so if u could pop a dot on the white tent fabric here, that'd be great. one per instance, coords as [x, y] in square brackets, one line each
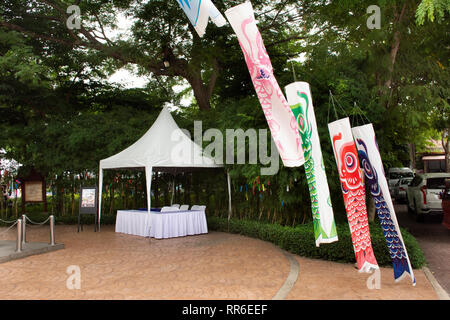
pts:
[162, 147]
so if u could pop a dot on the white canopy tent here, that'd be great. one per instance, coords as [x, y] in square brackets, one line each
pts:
[163, 148]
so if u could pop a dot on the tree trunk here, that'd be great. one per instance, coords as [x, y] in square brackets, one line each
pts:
[64, 201]
[200, 92]
[1, 204]
[412, 155]
[395, 46]
[73, 198]
[111, 199]
[135, 193]
[157, 190]
[446, 146]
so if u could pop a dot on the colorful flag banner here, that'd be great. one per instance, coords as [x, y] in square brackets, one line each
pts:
[373, 168]
[279, 116]
[199, 12]
[300, 100]
[354, 193]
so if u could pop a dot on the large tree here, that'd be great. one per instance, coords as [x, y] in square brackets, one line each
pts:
[160, 33]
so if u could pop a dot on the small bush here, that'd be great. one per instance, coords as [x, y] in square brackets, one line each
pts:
[300, 240]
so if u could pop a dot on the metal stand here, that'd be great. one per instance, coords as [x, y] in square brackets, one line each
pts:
[52, 230]
[80, 224]
[19, 236]
[24, 229]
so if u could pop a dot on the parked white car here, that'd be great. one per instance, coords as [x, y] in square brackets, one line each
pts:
[399, 191]
[395, 174]
[423, 194]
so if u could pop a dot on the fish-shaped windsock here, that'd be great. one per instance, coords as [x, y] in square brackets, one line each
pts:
[353, 190]
[300, 100]
[279, 116]
[373, 167]
[199, 12]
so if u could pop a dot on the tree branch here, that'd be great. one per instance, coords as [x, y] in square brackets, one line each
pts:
[213, 79]
[296, 37]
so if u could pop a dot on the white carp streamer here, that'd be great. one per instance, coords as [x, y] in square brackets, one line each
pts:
[372, 164]
[300, 100]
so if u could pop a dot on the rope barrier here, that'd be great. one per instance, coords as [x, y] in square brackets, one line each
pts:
[4, 221]
[37, 223]
[8, 228]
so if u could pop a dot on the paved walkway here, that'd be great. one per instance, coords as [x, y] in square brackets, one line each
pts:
[212, 266]
[434, 240]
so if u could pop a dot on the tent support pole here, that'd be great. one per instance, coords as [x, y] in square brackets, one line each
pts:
[148, 180]
[173, 191]
[100, 189]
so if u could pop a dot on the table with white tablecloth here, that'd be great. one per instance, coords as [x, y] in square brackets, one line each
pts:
[161, 225]
[136, 222]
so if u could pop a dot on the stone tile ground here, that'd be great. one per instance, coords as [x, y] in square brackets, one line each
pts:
[212, 266]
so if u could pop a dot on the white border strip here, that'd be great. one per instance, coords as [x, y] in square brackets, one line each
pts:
[290, 280]
[441, 293]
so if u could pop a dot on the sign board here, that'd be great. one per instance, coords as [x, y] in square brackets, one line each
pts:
[88, 200]
[33, 191]
[33, 187]
[88, 204]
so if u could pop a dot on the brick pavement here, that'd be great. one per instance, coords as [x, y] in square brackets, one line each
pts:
[212, 266]
[434, 240]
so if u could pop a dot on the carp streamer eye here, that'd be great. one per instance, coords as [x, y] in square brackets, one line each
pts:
[301, 123]
[368, 169]
[350, 162]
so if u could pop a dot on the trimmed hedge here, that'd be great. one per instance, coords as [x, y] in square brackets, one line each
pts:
[300, 240]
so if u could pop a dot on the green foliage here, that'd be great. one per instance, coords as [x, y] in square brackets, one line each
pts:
[300, 240]
[60, 115]
[432, 9]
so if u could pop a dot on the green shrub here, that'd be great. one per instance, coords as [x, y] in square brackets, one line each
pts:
[300, 240]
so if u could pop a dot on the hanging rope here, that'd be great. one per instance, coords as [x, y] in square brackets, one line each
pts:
[4, 221]
[330, 99]
[37, 223]
[338, 104]
[8, 228]
[293, 71]
[362, 114]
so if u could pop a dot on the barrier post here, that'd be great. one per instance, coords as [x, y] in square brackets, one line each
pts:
[52, 230]
[24, 229]
[19, 236]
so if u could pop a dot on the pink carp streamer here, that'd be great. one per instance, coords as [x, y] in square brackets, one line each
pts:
[354, 193]
[279, 116]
